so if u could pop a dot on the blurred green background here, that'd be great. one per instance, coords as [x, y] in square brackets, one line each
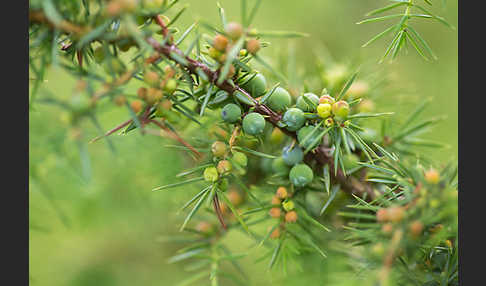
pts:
[109, 231]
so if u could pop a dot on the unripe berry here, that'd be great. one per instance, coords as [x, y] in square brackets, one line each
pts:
[220, 42]
[281, 193]
[294, 119]
[301, 175]
[99, 54]
[302, 104]
[329, 122]
[396, 214]
[151, 78]
[211, 174]
[253, 46]
[288, 206]
[326, 98]
[240, 158]
[302, 134]
[243, 52]
[170, 86]
[275, 200]
[114, 65]
[275, 212]
[253, 123]
[340, 109]
[277, 136]
[432, 176]
[234, 30]
[256, 86]
[153, 4]
[224, 167]
[378, 249]
[291, 217]
[136, 105]
[279, 100]
[231, 113]
[324, 110]
[214, 53]
[218, 149]
[416, 228]
[382, 215]
[279, 166]
[292, 156]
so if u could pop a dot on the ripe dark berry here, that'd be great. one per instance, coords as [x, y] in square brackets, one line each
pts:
[294, 119]
[256, 86]
[279, 100]
[303, 105]
[253, 123]
[231, 113]
[301, 175]
[302, 134]
[292, 156]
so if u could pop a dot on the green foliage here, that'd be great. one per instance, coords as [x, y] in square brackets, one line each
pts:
[204, 91]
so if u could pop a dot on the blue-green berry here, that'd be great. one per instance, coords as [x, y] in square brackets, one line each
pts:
[253, 123]
[231, 113]
[294, 119]
[292, 156]
[256, 86]
[302, 104]
[279, 167]
[279, 100]
[300, 175]
[302, 134]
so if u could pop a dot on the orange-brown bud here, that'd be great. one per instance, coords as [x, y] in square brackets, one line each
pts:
[275, 212]
[220, 42]
[382, 215]
[282, 193]
[253, 46]
[416, 228]
[291, 217]
[276, 200]
[387, 228]
[136, 105]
